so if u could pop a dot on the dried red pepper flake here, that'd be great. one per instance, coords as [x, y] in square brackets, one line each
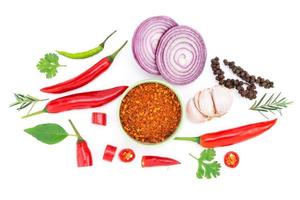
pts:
[150, 112]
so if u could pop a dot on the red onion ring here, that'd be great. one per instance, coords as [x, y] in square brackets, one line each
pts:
[146, 38]
[181, 55]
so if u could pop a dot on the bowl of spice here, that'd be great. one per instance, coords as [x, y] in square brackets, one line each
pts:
[150, 112]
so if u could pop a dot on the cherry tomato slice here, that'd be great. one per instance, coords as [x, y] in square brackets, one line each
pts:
[126, 155]
[231, 159]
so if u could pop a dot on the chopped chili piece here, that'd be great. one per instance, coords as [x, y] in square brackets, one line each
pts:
[150, 112]
[231, 159]
[109, 153]
[126, 155]
[99, 118]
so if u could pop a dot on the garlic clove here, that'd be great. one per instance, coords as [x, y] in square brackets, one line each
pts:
[193, 113]
[196, 100]
[206, 103]
[223, 99]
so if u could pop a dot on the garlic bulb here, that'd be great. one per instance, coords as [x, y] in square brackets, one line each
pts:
[209, 103]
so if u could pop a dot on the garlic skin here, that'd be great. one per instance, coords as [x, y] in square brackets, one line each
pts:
[223, 99]
[209, 103]
[193, 113]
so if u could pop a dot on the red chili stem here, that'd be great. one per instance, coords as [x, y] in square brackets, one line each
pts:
[75, 130]
[112, 56]
[154, 161]
[231, 136]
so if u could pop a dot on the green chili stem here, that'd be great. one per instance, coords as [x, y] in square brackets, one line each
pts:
[192, 139]
[103, 43]
[75, 130]
[112, 56]
[35, 113]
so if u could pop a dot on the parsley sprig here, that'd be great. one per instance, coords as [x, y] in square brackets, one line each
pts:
[207, 168]
[49, 64]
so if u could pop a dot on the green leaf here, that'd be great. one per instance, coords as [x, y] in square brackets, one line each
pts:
[49, 64]
[200, 171]
[48, 133]
[208, 154]
[270, 105]
[212, 169]
[207, 168]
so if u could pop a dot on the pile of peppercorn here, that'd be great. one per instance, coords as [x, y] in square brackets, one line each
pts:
[249, 80]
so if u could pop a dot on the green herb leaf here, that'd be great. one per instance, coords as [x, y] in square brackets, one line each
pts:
[48, 133]
[207, 168]
[208, 155]
[270, 105]
[49, 64]
[23, 101]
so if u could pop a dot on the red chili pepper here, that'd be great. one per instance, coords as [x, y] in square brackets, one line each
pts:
[99, 118]
[85, 77]
[231, 136]
[153, 161]
[84, 156]
[126, 155]
[109, 153]
[81, 101]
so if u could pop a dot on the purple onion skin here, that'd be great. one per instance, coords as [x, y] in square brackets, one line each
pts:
[181, 55]
[145, 41]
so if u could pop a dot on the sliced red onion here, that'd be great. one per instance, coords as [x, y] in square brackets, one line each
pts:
[145, 41]
[181, 55]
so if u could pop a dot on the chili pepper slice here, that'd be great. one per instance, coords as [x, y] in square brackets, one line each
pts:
[84, 156]
[88, 53]
[85, 77]
[81, 101]
[109, 153]
[231, 159]
[126, 155]
[99, 118]
[154, 161]
[231, 136]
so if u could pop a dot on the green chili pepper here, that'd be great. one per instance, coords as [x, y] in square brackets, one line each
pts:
[88, 53]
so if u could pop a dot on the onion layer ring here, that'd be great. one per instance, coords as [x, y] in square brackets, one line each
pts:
[181, 55]
[146, 38]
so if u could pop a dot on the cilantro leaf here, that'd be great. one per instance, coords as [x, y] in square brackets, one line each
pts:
[208, 154]
[207, 168]
[49, 64]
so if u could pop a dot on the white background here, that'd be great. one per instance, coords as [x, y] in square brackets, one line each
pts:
[261, 36]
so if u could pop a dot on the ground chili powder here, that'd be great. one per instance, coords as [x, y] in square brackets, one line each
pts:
[150, 112]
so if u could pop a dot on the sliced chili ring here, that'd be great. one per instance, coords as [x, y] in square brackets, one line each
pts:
[231, 159]
[99, 118]
[126, 155]
[109, 153]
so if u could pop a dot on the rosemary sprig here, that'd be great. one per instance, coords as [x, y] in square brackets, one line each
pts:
[23, 101]
[271, 104]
